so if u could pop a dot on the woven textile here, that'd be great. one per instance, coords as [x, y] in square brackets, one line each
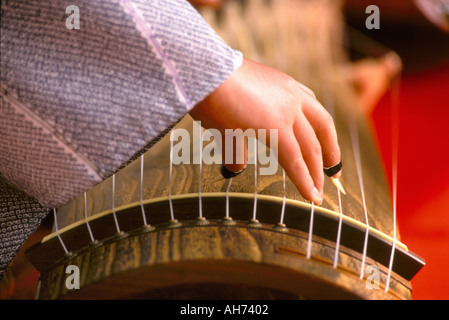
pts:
[79, 104]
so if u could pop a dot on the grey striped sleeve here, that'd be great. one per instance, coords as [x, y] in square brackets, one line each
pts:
[101, 93]
[77, 104]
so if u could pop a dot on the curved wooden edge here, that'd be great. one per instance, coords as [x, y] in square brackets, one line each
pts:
[113, 264]
[380, 246]
[305, 206]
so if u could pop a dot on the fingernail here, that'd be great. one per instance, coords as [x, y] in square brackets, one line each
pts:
[317, 199]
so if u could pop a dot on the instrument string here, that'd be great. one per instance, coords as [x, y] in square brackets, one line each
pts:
[356, 149]
[201, 174]
[57, 232]
[113, 204]
[340, 220]
[170, 178]
[309, 241]
[329, 103]
[393, 248]
[87, 220]
[281, 221]
[141, 191]
[227, 198]
[38, 290]
[394, 168]
[255, 179]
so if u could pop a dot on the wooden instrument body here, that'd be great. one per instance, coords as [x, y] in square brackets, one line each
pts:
[214, 258]
[216, 262]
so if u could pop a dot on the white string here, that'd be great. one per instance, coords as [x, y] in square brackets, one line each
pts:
[255, 179]
[141, 191]
[356, 149]
[113, 204]
[57, 232]
[394, 172]
[227, 198]
[329, 102]
[87, 220]
[340, 220]
[201, 173]
[170, 178]
[38, 290]
[393, 248]
[284, 200]
[309, 243]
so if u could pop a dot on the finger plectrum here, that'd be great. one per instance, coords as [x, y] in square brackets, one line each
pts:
[332, 171]
[227, 174]
[338, 184]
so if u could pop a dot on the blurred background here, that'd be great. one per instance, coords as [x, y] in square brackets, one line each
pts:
[318, 40]
[418, 33]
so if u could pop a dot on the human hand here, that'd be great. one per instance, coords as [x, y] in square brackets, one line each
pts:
[259, 97]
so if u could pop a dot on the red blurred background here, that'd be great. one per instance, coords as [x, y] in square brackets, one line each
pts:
[423, 174]
[423, 144]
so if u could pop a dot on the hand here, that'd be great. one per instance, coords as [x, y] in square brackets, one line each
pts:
[259, 97]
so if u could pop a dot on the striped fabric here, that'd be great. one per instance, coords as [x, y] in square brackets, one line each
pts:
[76, 105]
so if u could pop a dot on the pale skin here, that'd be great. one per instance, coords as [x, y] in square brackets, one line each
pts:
[259, 97]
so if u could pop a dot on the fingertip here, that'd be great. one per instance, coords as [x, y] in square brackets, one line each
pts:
[317, 196]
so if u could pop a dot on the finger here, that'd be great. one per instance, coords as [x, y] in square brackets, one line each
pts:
[324, 128]
[291, 159]
[311, 150]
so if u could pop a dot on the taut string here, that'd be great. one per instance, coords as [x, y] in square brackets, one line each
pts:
[356, 149]
[281, 221]
[170, 201]
[394, 171]
[340, 220]
[227, 198]
[309, 242]
[87, 220]
[57, 232]
[200, 202]
[255, 180]
[141, 192]
[113, 205]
